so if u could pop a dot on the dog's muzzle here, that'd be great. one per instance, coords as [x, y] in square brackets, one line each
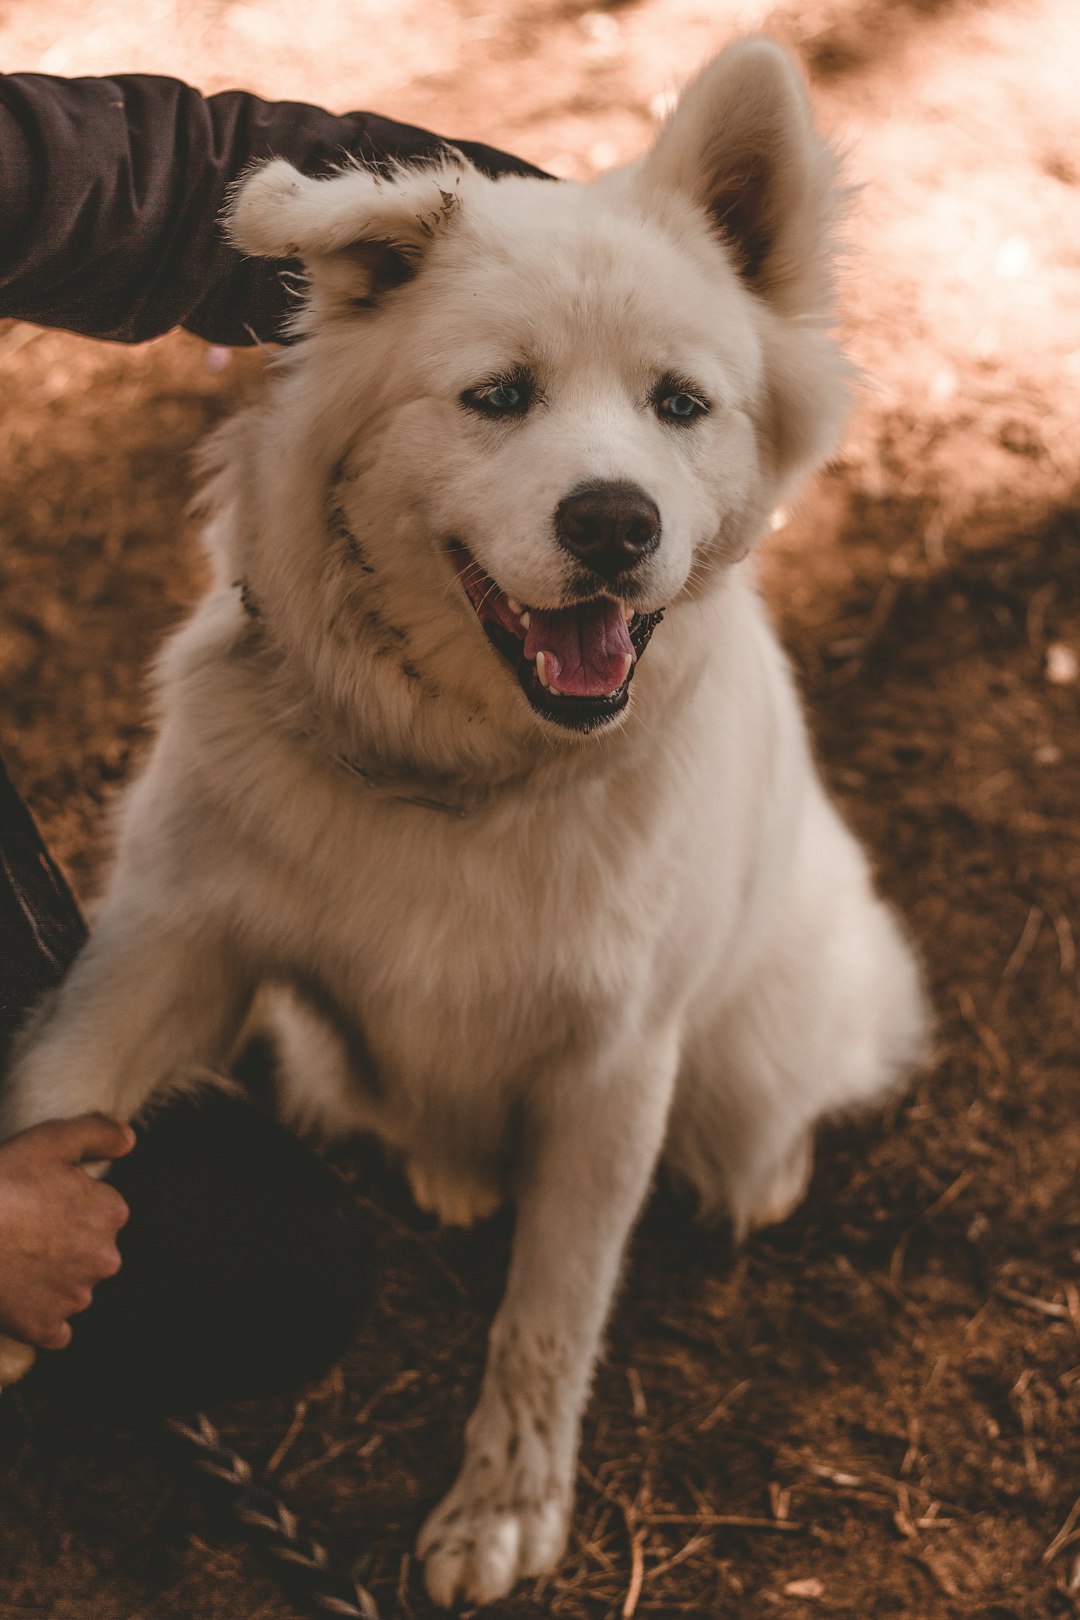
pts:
[574, 664]
[609, 527]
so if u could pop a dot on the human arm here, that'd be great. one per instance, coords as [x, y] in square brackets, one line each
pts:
[57, 1225]
[111, 191]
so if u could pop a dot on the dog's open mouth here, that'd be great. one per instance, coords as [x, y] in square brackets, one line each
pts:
[574, 664]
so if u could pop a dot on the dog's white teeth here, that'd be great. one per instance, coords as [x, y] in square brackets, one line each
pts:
[624, 677]
[525, 619]
[628, 614]
[541, 671]
[515, 607]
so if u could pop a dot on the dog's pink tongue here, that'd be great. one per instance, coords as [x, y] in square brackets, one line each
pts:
[585, 647]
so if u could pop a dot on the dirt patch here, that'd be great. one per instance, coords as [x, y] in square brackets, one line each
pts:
[886, 1387]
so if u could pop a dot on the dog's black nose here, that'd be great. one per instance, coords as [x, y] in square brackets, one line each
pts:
[609, 527]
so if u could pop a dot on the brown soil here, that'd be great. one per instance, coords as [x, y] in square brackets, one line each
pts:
[889, 1383]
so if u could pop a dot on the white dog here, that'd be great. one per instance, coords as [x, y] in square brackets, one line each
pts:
[558, 879]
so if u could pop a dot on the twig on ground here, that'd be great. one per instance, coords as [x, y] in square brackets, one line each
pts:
[1065, 1535]
[941, 1580]
[780, 1500]
[285, 1444]
[720, 1410]
[1066, 943]
[902, 1514]
[687, 1551]
[301, 1562]
[735, 1521]
[856, 649]
[637, 1556]
[638, 1403]
[1045, 1307]
[1072, 1299]
[407, 1610]
[1022, 1392]
[349, 1442]
[1024, 946]
[590, 1542]
[949, 1196]
[986, 1035]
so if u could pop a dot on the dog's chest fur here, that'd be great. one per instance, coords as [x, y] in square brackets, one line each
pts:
[466, 958]
[464, 955]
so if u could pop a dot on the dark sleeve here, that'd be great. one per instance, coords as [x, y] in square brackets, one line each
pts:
[41, 928]
[111, 192]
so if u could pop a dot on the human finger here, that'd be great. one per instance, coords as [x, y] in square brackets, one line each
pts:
[110, 1208]
[104, 1261]
[90, 1136]
[57, 1337]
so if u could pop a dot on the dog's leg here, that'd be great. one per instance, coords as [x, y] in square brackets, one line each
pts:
[142, 1004]
[738, 1137]
[832, 1018]
[508, 1513]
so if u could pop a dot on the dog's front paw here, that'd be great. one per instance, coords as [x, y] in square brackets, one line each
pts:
[507, 1515]
[483, 1537]
[15, 1360]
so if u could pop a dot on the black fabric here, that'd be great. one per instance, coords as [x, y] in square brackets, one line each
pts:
[111, 192]
[247, 1268]
[41, 927]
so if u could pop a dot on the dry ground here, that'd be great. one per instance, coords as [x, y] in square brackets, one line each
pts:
[892, 1378]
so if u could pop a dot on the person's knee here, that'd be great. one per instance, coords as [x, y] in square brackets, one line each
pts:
[247, 1267]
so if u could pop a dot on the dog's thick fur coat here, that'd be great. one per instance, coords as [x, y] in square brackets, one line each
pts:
[533, 955]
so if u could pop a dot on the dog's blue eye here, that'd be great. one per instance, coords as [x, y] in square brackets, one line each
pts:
[500, 398]
[680, 407]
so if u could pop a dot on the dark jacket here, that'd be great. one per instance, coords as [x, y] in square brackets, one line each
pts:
[111, 192]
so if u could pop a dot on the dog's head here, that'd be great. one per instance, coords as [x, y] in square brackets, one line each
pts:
[562, 409]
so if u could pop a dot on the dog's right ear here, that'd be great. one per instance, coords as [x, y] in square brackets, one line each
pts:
[358, 233]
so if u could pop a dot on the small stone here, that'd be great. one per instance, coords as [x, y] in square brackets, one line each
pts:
[809, 1588]
[1062, 664]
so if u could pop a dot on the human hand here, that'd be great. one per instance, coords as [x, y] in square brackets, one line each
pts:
[58, 1224]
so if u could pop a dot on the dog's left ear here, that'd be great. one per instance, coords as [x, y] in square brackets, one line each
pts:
[742, 144]
[359, 233]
